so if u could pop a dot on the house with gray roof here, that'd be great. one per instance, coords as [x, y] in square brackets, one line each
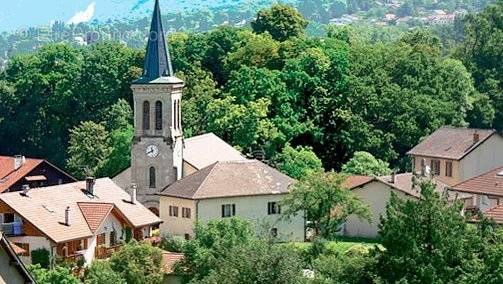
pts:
[248, 189]
[453, 155]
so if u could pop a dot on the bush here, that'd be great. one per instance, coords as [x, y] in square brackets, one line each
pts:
[40, 256]
[100, 272]
[172, 243]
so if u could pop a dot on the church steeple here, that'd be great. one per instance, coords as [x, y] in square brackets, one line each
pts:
[157, 59]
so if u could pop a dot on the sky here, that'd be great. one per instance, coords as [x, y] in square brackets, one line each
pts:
[19, 14]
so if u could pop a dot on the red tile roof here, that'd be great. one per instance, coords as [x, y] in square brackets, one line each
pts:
[451, 143]
[496, 214]
[357, 181]
[95, 213]
[489, 183]
[9, 176]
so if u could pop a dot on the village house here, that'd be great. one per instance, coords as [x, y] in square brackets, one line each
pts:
[12, 269]
[248, 189]
[486, 191]
[454, 155]
[87, 220]
[17, 171]
[376, 192]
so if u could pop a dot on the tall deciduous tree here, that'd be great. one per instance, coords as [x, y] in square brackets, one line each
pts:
[299, 162]
[363, 163]
[325, 201]
[89, 149]
[281, 21]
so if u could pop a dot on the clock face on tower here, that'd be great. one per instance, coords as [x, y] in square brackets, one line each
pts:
[152, 151]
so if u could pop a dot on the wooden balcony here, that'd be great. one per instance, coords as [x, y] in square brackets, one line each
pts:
[12, 229]
[102, 252]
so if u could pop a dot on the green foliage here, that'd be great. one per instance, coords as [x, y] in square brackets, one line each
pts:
[281, 21]
[257, 262]
[299, 162]
[364, 163]
[172, 243]
[211, 244]
[426, 241]
[57, 275]
[325, 201]
[88, 150]
[100, 272]
[138, 263]
[41, 257]
[481, 52]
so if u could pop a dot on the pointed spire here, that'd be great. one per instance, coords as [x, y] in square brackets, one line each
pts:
[157, 59]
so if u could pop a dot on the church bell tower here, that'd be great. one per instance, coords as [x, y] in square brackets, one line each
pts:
[156, 154]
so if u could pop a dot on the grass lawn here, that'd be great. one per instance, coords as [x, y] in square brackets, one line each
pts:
[342, 245]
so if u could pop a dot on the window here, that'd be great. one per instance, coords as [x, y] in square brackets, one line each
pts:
[8, 218]
[186, 213]
[25, 247]
[423, 167]
[158, 116]
[113, 238]
[228, 210]
[274, 232]
[435, 167]
[448, 169]
[173, 211]
[100, 240]
[151, 177]
[273, 208]
[146, 115]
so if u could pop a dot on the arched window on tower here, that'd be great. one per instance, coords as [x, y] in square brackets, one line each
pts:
[146, 115]
[158, 115]
[151, 177]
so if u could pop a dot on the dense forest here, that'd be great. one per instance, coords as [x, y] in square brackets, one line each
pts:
[261, 89]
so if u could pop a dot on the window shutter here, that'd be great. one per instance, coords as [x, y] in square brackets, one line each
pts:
[269, 208]
[233, 209]
[223, 211]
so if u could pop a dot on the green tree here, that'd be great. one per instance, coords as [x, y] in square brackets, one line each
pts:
[211, 244]
[89, 149]
[260, 261]
[57, 275]
[325, 201]
[299, 162]
[481, 51]
[138, 263]
[100, 272]
[119, 157]
[364, 163]
[426, 241]
[281, 21]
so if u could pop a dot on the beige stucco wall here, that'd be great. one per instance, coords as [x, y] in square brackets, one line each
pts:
[9, 274]
[176, 225]
[254, 209]
[376, 195]
[34, 242]
[486, 157]
[456, 174]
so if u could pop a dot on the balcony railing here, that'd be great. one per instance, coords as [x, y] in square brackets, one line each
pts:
[102, 252]
[12, 229]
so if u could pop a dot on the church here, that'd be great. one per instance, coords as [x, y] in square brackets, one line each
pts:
[160, 155]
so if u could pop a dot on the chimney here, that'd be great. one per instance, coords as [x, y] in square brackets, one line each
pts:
[67, 216]
[133, 193]
[26, 189]
[393, 176]
[19, 161]
[476, 137]
[90, 185]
